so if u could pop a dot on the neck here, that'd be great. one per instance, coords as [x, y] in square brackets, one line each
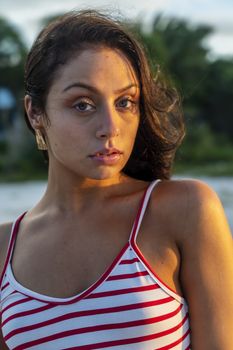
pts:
[68, 193]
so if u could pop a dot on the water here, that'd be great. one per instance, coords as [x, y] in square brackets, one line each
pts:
[15, 198]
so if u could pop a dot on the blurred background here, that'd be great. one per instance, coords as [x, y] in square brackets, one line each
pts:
[191, 41]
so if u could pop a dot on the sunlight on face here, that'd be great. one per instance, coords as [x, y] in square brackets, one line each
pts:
[93, 107]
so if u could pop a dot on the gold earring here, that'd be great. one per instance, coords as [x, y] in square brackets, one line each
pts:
[40, 141]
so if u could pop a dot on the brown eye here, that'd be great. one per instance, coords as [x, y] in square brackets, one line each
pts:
[84, 105]
[126, 103]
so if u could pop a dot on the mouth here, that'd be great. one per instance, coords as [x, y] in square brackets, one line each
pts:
[107, 156]
[99, 154]
[107, 153]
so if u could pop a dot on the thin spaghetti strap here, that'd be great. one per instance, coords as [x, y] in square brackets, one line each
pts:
[14, 231]
[141, 211]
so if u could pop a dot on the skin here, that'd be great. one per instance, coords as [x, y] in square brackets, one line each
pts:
[191, 251]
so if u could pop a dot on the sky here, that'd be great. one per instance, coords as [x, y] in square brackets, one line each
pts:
[26, 14]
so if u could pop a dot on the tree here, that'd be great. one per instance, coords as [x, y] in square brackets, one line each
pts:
[217, 102]
[12, 56]
[179, 49]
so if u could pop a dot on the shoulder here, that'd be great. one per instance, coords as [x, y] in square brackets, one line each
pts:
[206, 251]
[204, 216]
[5, 231]
[196, 222]
[191, 208]
[187, 190]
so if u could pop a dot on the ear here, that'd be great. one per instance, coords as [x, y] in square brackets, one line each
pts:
[35, 117]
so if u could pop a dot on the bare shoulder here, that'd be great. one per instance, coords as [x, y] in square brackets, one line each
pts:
[206, 249]
[193, 208]
[5, 231]
[185, 190]
[205, 219]
[194, 217]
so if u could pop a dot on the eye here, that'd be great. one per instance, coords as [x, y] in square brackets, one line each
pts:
[84, 105]
[126, 103]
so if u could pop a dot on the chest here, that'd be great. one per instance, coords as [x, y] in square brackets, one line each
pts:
[61, 259]
[126, 306]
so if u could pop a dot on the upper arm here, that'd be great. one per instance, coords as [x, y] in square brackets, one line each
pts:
[2, 342]
[207, 268]
[5, 231]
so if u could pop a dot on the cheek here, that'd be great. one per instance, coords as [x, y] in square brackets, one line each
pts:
[131, 131]
[64, 140]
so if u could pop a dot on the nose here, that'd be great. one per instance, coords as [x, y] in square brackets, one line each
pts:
[109, 126]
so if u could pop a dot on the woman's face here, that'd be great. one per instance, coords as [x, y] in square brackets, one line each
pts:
[93, 108]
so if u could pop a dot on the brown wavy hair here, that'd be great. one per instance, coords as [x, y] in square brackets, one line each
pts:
[161, 127]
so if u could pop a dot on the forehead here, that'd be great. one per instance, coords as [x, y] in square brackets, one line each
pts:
[98, 67]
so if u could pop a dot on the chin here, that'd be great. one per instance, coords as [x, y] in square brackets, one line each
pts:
[105, 175]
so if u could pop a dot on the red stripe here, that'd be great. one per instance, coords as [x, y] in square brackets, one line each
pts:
[87, 291]
[177, 342]
[21, 301]
[127, 341]
[107, 272]
[138, 216]
[7, 296]
[122, 291]
[98, 311]
[129, 261]
[148, 266]
[95, 285]
[127, 275]
[98, 345]
[28, 312]
[10, 246]
[6, 285]
[89, 329]
[138, 251]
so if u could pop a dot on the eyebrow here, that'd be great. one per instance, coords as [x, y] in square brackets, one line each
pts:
[95, 90]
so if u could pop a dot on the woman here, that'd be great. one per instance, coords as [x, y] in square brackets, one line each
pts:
[115, 254]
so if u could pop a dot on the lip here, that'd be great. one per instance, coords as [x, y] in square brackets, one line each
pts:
[111, 159]
[107, 156]
[106, 152]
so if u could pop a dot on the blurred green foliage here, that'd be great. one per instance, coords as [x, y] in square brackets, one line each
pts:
[12, 56]
[179, 50]
[205, 86]
[206, 89]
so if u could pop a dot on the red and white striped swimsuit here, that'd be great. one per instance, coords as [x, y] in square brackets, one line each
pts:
[128, 307]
